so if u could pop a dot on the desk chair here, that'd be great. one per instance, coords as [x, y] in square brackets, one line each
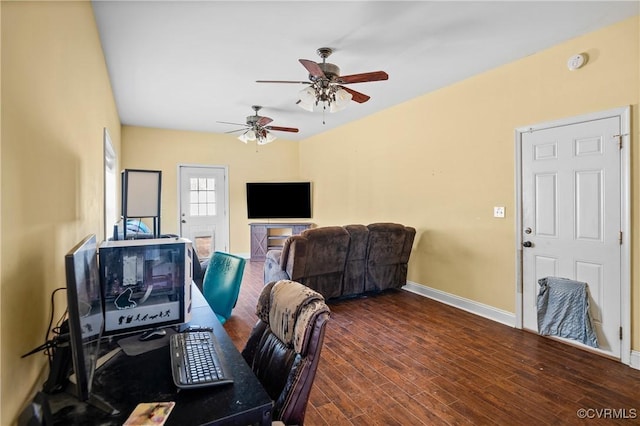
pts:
[221, 283]
[284, 346]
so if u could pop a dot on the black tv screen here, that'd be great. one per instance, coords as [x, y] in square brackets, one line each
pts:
[279, 200]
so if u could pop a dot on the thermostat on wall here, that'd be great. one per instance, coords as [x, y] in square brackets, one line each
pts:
[576, 61]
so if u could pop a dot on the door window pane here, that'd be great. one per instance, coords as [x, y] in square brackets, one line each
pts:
[202, 197]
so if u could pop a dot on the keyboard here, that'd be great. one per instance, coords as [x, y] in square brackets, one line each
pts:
[196, 361]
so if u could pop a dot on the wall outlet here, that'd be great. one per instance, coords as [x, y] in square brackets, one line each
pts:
[498, 212]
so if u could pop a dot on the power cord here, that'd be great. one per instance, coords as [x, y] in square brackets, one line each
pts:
[60, 332]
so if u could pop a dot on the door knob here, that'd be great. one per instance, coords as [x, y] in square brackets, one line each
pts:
[527, 244]
[183, 221]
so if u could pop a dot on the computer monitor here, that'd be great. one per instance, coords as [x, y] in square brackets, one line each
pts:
[146, 283]
[85, 317]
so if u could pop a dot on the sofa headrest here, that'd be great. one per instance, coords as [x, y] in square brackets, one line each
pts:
[290, 309]
[324, 232]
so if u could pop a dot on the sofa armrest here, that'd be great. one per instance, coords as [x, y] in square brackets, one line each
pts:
[274, 256]
[272, 269]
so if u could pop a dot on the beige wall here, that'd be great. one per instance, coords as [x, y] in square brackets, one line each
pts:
[155, 149]
[56, 100]
[442, 161]
[439, 162]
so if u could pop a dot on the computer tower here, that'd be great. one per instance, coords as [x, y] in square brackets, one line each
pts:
[145, 283]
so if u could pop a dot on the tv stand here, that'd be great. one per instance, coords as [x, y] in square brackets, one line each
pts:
[268, 236]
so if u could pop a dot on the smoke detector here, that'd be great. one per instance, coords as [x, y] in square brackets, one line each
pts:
[577, 61]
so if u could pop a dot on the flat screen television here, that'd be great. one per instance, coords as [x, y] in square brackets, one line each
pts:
[279, 200]
[85, 317]
[146, 284]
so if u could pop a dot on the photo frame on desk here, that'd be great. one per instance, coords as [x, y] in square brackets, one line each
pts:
[141, 195]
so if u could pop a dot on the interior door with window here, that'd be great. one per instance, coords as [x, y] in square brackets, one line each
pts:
[203, 208]
[571, 219]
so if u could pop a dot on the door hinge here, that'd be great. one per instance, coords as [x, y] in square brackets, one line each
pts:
[620, 139]
[620, 237]
[620, 333]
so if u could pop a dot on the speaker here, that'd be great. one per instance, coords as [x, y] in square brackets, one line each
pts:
[141, 197]
[141, 193]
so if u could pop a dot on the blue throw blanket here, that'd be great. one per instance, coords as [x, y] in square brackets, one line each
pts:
[563, 310]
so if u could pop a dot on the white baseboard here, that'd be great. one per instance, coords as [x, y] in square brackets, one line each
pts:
[468, 305]
[482, 310]
[634, 362]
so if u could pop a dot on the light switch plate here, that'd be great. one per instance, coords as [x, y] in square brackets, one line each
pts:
[498, 211]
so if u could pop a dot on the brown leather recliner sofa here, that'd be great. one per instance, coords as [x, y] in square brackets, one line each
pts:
[340, 261]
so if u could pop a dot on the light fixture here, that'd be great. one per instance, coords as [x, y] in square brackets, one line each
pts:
[243, 137]
[268, 137]
[341, 100]
[262, 136]
[257, 128]
[324, 89]
[307, 99]
[322, 92]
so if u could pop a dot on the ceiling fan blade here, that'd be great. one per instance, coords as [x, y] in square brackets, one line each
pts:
[282, 81]
[282, 129]
[263, 121]
[227, 122]
[364, 77]
[313, 68]
[238, 130]
[357, 96]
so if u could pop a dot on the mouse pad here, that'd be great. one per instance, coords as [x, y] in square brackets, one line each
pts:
[132, 346]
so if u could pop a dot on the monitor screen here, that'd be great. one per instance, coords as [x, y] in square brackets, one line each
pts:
[85, 315]
[279, 200]
[146, 283]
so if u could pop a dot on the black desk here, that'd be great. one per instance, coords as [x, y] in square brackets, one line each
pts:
[126, 381]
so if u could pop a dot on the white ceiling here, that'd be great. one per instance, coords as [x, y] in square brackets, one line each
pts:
[187, 64]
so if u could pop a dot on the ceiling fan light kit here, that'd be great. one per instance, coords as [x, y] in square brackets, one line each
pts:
[262, 137]
[333, 97]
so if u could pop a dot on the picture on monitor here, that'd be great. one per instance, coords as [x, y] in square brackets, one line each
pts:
[85, 315]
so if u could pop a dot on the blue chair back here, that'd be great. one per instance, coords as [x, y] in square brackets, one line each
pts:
[221, 284]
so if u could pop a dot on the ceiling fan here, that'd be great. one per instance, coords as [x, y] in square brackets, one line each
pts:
[257, 129]
[326, 85]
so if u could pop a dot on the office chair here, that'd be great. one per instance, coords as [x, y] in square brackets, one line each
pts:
[284, 346]
[221, 283]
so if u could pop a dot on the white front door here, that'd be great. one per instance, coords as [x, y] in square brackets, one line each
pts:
[203, 208]
[571, 219]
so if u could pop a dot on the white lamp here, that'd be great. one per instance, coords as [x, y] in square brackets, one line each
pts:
[307, 99]
[243, 137]
[342, 100]
[247, 136]
[268, 137]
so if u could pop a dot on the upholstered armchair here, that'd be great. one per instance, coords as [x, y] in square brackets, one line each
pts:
[315, 258]
[283, 349]
[387, 257]
[355, 266]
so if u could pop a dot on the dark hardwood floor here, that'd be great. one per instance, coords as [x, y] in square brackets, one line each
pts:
[401, 359]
